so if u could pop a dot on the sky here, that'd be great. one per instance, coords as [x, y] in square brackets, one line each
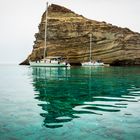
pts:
[19, 20]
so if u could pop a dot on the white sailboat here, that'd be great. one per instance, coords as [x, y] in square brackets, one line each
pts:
[92, 63]
[52, 61]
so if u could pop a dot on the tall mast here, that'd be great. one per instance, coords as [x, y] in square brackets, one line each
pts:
[45, 48]
[90, 47]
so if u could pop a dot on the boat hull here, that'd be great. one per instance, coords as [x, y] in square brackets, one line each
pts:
[92, 64]
[35, 64]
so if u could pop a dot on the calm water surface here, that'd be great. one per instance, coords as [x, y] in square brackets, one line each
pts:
[69, 103]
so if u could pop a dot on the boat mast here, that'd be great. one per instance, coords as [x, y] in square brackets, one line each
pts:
[90, 47]
[45, 48]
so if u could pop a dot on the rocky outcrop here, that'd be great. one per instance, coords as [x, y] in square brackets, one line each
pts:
[68, 36]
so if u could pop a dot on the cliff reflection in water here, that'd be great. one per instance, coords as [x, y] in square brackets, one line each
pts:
[67, 93]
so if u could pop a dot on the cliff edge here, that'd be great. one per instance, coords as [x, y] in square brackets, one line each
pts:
[68, 36]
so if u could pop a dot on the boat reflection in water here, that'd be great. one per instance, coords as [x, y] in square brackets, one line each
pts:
[67, 93]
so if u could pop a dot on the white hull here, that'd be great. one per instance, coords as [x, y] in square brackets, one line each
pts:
[43, 64]
[92, 64]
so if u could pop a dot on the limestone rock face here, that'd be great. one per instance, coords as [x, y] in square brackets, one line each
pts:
[68, 36]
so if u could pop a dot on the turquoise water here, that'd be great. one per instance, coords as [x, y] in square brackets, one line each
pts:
[69, 103]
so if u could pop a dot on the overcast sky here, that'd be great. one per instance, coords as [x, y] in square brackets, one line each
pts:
[19, 20]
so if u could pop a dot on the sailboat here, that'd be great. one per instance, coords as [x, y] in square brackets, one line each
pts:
[52, 61]
[92, 63]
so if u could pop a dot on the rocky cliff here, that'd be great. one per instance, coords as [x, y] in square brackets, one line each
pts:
[68, 36]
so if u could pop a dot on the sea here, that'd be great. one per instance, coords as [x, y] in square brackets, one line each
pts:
[73, 103]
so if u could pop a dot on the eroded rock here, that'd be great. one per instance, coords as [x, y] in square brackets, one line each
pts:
[68, 36]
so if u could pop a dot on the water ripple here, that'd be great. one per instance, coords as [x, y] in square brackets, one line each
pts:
[70, 93]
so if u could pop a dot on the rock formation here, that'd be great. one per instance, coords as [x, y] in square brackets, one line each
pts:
[68, 36]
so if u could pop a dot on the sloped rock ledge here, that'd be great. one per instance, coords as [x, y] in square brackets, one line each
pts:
[68, 36]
